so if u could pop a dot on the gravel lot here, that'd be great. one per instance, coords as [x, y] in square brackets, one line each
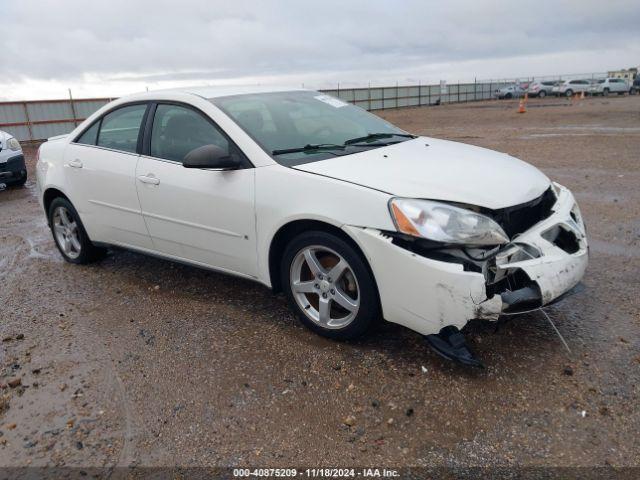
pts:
[138, 361]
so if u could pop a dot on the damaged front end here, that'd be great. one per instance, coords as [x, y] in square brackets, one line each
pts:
[428, 286]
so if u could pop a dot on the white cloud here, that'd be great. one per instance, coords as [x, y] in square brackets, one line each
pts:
[109, 48]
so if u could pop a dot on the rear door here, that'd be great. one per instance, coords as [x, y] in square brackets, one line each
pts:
[101, 165]
[203, 216]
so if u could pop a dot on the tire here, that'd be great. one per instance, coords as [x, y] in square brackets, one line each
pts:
[542, 94]
[508, 96]
[353, 285]
[80, 250]
[568, 93]
[605, 92]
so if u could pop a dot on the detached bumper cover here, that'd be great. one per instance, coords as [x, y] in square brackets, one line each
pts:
[426, 295]
[13, 169]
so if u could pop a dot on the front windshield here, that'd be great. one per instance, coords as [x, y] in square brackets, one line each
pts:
[315, 124]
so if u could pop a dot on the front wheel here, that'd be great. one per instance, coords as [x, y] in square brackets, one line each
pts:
[542, 94]
[329, 286]
[568, 93]
[69, 234]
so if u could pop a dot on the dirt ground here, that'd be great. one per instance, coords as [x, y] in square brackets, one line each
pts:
[138, 361]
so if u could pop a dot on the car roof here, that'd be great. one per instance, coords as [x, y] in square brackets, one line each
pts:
[213, 92]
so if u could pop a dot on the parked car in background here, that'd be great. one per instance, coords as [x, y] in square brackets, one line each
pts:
[510, 91]
[12, 168]
[610, 85]
[352, 217]
[541, 89]
[569, 87]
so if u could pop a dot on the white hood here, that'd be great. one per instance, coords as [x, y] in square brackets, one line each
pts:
[434, 169]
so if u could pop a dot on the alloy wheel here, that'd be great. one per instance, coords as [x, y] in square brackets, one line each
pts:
[66, 231]
[325, 287]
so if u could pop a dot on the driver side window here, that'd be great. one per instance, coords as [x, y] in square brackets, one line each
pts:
[177, 130]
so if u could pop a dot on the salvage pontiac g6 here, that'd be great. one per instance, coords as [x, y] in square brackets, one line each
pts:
[353, 218]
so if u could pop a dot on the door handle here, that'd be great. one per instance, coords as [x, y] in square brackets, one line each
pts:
[149, 179]
[75, 163]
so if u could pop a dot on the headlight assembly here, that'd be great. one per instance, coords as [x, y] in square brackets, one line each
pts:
[13, 144]
[445, 223]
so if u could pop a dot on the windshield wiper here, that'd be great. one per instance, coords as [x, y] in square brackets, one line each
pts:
[375, 136]
[309, 148]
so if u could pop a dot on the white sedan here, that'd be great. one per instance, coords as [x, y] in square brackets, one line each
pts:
[353, 218]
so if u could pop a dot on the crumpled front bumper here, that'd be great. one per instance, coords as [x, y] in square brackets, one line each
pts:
[426, 294]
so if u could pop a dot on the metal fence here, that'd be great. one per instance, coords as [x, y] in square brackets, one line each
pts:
[40, 119]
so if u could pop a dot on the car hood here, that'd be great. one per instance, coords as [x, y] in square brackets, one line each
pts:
[434, 169]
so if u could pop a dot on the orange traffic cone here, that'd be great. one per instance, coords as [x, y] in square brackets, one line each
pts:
[521, 108]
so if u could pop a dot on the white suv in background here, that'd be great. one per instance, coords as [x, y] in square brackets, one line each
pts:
[610, 85]
[541, 89]
[569, 87]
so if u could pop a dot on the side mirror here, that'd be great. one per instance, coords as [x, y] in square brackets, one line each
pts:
[210, 156]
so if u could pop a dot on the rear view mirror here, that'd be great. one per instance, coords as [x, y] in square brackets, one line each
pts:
[210, 156]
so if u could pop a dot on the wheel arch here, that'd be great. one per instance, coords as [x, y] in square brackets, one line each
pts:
[289, 231]
[49, 195]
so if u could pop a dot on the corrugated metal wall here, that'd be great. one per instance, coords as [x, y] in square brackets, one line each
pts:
[40, 119]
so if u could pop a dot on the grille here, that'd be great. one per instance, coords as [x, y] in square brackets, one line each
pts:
[520, 218]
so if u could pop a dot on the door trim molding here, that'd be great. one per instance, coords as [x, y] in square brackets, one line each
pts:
[194, 225]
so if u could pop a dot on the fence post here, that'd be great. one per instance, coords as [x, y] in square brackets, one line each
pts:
[429, 96]
[26, 116]
[73, 110]
[369, 95]
[397, 96]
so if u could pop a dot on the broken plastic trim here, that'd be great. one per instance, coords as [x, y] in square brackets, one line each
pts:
[518, 218]
[450, 344]
[523, 299]
[562, 238]
[433, 250]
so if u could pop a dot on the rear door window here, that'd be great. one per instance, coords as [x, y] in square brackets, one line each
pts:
[120, 128]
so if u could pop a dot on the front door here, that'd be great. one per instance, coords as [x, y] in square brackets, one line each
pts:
[202, 216]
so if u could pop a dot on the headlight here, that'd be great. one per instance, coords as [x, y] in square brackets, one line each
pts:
[445, 223]
[13, 144]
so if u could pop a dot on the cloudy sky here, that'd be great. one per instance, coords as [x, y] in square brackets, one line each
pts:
[113, 47]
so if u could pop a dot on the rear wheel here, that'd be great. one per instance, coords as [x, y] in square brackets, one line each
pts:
[605, 92]
[508, 96]
[329, 286]
[542, 94]
[568, 93]
[69, 234]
